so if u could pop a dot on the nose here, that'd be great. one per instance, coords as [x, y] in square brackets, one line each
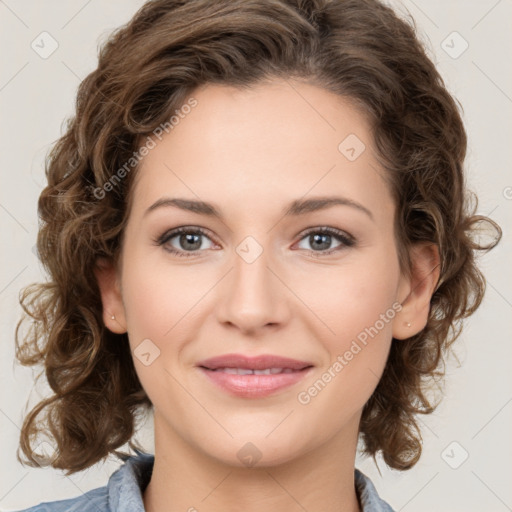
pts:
[253, 296]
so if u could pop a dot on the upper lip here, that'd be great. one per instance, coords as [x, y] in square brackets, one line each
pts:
[253, 363]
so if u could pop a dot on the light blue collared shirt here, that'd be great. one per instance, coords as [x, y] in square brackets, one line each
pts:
[124, 490]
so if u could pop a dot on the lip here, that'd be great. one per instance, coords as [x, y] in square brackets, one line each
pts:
[254, 363]
[253, 386]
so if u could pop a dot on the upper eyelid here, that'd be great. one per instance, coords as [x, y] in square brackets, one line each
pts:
[326, 229]
[171, 233]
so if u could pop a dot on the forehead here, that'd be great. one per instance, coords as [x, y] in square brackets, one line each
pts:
[269, 144]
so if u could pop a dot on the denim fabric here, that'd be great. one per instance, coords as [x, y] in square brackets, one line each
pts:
[124, 490]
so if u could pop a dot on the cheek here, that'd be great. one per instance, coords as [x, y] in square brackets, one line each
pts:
[356, 358]
[159, 299]
[354, 297]
[358, 310]
[159, 313]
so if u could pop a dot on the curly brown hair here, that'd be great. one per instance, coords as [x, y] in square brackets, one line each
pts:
[358, 49]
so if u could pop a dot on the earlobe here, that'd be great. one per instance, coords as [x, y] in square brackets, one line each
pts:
[425, 269]
[113, 308]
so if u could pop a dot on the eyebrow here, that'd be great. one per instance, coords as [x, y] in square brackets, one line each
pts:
[295, 208]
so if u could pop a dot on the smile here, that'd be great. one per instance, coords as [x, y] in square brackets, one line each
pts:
[253, 377]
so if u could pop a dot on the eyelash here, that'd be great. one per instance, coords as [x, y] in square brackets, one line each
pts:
[345, 239]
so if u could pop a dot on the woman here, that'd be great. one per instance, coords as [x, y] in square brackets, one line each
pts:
[214, 147]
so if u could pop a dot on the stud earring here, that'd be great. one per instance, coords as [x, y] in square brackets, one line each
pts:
[113, 317]
[408, 324]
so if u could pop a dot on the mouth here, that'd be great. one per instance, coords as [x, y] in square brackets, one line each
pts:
[254, 377]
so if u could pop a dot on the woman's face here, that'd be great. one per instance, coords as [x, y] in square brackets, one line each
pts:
[279, 272]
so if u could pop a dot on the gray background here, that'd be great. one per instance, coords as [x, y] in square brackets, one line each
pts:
[37, 94]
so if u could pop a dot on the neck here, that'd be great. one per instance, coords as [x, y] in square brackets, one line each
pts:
[185, 478]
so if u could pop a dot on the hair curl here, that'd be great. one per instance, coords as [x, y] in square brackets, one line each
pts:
[359, 49]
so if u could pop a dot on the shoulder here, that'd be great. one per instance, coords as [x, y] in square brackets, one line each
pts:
[92, 501]
[123, 491]
[368, 496]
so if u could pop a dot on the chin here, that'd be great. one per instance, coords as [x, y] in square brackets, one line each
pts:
[256, 451]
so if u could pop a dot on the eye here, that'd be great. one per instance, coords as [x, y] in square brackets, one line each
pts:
[322, 238]
[188, 240]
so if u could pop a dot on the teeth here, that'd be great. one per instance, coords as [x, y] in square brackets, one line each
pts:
[234, 371]
[262, 372]
[245, 371]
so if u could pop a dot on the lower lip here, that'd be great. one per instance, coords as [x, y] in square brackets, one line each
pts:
[254, 386]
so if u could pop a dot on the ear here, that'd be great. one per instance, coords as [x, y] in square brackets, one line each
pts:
[416, 290]
[108, 282]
